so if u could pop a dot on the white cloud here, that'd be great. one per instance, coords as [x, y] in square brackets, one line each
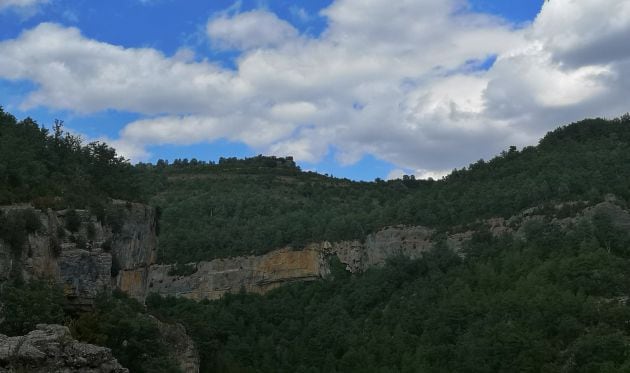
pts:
[20, 3]
[249, 30]
[23, 7]
[401, 90]
[85, 75]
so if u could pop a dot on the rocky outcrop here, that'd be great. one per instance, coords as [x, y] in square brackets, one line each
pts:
[121, 254]
[256, 274]
[51, 348]
[86, 255]
[134, 248]
[182, 349]
[259, 274]
[410, 242]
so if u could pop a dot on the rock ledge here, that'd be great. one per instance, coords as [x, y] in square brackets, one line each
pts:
[51, 349]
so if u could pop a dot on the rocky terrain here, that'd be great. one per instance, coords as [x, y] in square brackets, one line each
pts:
[124, 257]
[92, 257]
[51, 349]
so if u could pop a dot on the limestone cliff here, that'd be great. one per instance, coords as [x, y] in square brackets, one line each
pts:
[85, 256]
[104, 256]
[259, 274]
[51, 348]
[256, 274]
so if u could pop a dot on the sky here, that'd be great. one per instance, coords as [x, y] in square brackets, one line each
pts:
[353, 88]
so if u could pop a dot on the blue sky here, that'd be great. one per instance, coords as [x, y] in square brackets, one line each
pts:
[276, 108]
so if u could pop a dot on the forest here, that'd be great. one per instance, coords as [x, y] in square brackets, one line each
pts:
[552, 300]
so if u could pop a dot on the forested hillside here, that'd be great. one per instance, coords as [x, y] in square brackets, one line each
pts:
[554, 302]
[56, 168]
[550, 296]
[251, 207]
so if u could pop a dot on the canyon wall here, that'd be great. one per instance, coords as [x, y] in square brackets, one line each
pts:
[259, 274]
[122, 253]
[86, 256]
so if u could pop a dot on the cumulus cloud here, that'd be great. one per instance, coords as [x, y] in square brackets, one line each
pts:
[254, 29]
[85, 75]
[407, 92]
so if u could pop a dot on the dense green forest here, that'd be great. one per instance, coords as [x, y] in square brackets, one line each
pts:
[210, 211]
[552, 300]
[54, 169]
[251, 206]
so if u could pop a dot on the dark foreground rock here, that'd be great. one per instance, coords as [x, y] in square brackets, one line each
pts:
[51, 349]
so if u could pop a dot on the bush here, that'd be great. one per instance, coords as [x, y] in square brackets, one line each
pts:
[123, 325]
[24, 306]
[180, 269]
[73, 221]
[16, 225]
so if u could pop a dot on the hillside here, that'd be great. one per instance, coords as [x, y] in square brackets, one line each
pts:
[246, 207]
[252, 206]
[538, 282]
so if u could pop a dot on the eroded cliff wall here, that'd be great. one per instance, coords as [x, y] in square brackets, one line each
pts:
[122, 254]
[256, 274]
[259, 274]
[88, 255]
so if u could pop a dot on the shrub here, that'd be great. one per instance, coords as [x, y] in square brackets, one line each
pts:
[73, 221]
[180, 269]
[26, 305]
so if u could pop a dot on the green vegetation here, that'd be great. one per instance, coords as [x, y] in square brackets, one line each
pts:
[56, 169]
[116, 321]
[24, 305]
[554, 302]
[243, 207]
[123, 325]
[254, 205]
[15, 225]
[182, 270]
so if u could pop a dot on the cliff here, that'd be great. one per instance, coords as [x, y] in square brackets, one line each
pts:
[121, 254]
[83, 254]
[259, 274]
[256, 274]
[51, 348]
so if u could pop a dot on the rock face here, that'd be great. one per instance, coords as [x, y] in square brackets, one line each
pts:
[93, 257]
[122, 254]
[259, 274]
[410, 242]
[51, 349]
[182, 349]
[256, 274]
